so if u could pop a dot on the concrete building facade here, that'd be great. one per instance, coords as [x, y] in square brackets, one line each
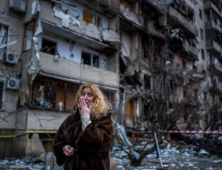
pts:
[153, 59]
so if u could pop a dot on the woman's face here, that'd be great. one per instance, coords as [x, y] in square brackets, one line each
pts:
[87, 95]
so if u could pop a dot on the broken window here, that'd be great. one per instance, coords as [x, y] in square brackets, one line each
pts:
[200, 14]
[89, 17]
[147, 82]
[86, 58]
[218, 37]
[48, 46]
[190, 14]
[1, 94]
[202, 54]
[94, 60]
[57, 93]
[3, 40]
[97, 21]
[201, 34]
[28, 34]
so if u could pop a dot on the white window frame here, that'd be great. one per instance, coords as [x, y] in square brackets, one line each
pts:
[94, 53]
[49, 39]
[8, 38]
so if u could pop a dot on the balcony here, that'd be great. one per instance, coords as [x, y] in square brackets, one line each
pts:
[214, 47]
[216, 69]
[189, 51]
[129, 18]
[155, 30]
[176, 19]
[210, 5]
[212, 25]
[75, 71]
[67, 26]
[185, 50]
[151, 4]
[110, 8]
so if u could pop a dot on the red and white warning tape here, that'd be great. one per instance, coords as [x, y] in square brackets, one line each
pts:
[192, 131]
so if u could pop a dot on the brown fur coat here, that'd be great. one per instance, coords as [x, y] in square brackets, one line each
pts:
[91, 147]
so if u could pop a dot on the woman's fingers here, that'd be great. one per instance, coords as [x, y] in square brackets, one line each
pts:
[90, 107]
[69, 150]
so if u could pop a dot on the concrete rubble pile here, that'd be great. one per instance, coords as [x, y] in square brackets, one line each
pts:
[175, 156]
[30, 163]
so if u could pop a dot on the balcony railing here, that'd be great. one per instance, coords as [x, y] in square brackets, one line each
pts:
[177, 19]
[76, 71]
[210, 5]
[211, 24]
[191, 50]
[110, 4]
[155, 31]
[216, 69]
[79, 31]
[214, 47]
[154, 4]
[131, 16]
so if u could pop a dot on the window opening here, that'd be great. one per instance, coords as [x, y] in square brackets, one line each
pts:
[48, 46]
[3, 39]
[86, 58]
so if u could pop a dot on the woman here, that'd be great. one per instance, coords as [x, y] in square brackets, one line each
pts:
[84, 138]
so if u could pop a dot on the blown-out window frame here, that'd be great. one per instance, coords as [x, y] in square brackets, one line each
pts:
[61, 91]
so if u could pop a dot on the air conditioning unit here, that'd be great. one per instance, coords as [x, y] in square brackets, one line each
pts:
[17, 5]
[13, 83]
[11, 58]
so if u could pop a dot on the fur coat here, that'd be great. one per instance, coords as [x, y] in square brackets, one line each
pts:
[91, 147]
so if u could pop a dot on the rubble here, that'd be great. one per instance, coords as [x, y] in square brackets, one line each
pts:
[174, 156]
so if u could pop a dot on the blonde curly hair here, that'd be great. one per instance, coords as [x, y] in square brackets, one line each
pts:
[100, 103]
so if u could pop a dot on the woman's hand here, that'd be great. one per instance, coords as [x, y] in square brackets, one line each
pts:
[68, 150]
[83, 109]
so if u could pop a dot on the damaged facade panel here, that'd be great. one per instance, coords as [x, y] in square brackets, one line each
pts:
[176, 18]
[131, 16]
[81, 21]
[155, 30]
[79, 71]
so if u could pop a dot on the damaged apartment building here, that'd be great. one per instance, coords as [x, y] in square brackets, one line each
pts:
[153, 59]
